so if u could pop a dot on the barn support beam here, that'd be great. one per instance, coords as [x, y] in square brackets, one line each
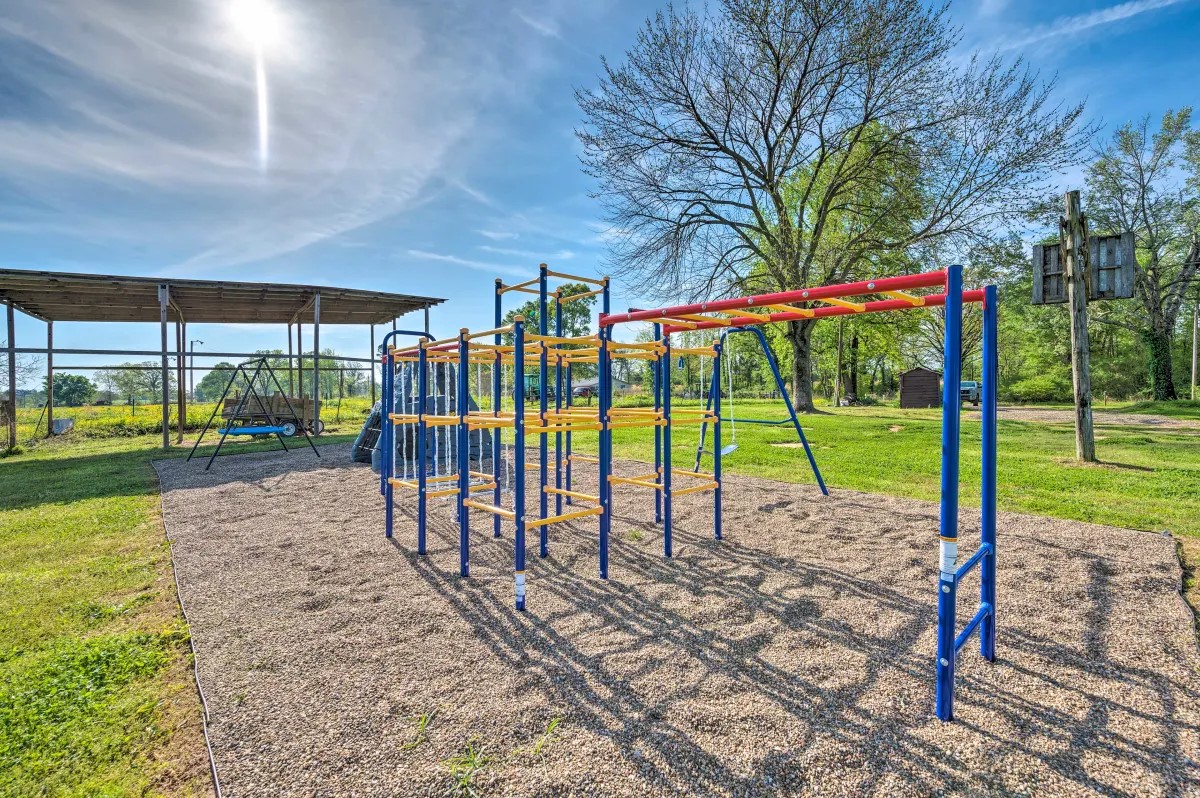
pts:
[316, 363]
[373, 365]
[12, 375]
[164, 297]
[49, 378]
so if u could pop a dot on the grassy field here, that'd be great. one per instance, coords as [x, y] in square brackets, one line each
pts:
[96, 696]
[108, 421]
[96, 690]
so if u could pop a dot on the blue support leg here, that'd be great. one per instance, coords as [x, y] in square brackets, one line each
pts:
[656, 369]
[605, 464]
[716, 446]
[464, 460]
[987, 567]
[422, 409]
[665, 476]
[519, 454]
[543, 440]
[948, 559]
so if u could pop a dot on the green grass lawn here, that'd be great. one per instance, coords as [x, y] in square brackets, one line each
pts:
[96, 691]
[1149, 477]
[96, 696]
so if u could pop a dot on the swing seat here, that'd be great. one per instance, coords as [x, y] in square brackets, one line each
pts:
[253, 431]
[728, 450]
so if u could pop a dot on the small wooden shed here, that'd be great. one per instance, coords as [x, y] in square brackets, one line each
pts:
[920, 387]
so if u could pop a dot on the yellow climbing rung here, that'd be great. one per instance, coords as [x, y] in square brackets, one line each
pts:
[639, 482]
[684, 472]
[696, 489]
[571, 493]
[915, 301]
[857, 307]
[693, 350]
[554, 519]
[805, 312]
[490, 508]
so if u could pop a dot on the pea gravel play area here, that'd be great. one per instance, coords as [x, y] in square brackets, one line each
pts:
[795, 657]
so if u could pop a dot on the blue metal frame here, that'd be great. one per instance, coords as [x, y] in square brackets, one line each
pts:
[498, 401]
[543, 442]
[950, 572]
[519, 457]
[387, 430]
[604, 401]
[665, 476]
[718, 349]
[464, 457]
[656, 369]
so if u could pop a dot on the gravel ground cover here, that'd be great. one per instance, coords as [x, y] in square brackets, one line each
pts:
[793, 658]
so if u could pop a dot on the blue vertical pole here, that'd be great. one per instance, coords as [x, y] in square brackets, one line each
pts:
[987, 566]
[497, 403]
[464, 460]
[605, 465]
[948, 547]
[714, 386]
[519, 455]
[544, 443]
[422, 409]
[656, 370]
[558, 404]
[387, 431]
[716, 363]
[385, 423]
[665, 476]
[787, 400]
[570, 403]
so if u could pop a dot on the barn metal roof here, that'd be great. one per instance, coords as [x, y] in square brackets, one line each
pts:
[63, 296]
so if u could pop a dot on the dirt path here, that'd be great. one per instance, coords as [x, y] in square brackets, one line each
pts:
[793, 658]
[1101, 417]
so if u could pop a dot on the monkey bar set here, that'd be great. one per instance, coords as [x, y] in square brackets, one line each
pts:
[427, 448]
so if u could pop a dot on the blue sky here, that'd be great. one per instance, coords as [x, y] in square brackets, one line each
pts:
[420, 147]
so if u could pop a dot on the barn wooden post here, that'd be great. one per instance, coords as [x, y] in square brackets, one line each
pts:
[12, 375]
[291, 364]
[316, 363]
[49, 378]
[163, 298]
[1073, 235]
[372, 363]
[180, 375]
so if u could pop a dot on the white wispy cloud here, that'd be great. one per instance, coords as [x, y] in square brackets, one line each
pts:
[111, 104]
[498, 235]
[562, 254]
[494, 269]
[541, 25]
[1064, 27]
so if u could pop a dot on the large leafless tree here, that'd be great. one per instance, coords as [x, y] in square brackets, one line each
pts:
[777, 144]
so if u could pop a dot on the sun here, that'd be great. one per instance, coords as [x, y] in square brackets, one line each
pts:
[257, 21]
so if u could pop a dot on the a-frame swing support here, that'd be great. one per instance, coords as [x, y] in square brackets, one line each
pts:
[273, 428]
[714, 395]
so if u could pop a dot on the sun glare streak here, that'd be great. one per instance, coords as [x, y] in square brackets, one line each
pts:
[258, 23]
[264, 120]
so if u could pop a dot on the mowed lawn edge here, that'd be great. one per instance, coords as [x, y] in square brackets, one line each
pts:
[97, 695]
[93, 648]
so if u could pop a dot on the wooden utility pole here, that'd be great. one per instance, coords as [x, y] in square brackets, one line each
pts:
[1073, 238]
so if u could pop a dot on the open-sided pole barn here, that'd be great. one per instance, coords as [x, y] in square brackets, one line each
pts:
[60, 296]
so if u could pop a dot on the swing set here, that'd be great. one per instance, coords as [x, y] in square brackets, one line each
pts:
[428, 448]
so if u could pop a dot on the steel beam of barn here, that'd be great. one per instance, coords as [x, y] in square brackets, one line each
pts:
[63, 296]
[12, 375]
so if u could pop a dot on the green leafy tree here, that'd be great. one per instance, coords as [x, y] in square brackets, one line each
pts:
[212, 385]
[576, 320]
[1135, 184]
[71, 390]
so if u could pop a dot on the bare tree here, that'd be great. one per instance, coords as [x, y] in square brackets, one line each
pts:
[28, 368]
[777, 144]
[1134, 185]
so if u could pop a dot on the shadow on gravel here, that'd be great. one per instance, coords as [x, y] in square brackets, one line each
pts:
[609, 704]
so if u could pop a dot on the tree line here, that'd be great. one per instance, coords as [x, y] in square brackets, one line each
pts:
[755, 146]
